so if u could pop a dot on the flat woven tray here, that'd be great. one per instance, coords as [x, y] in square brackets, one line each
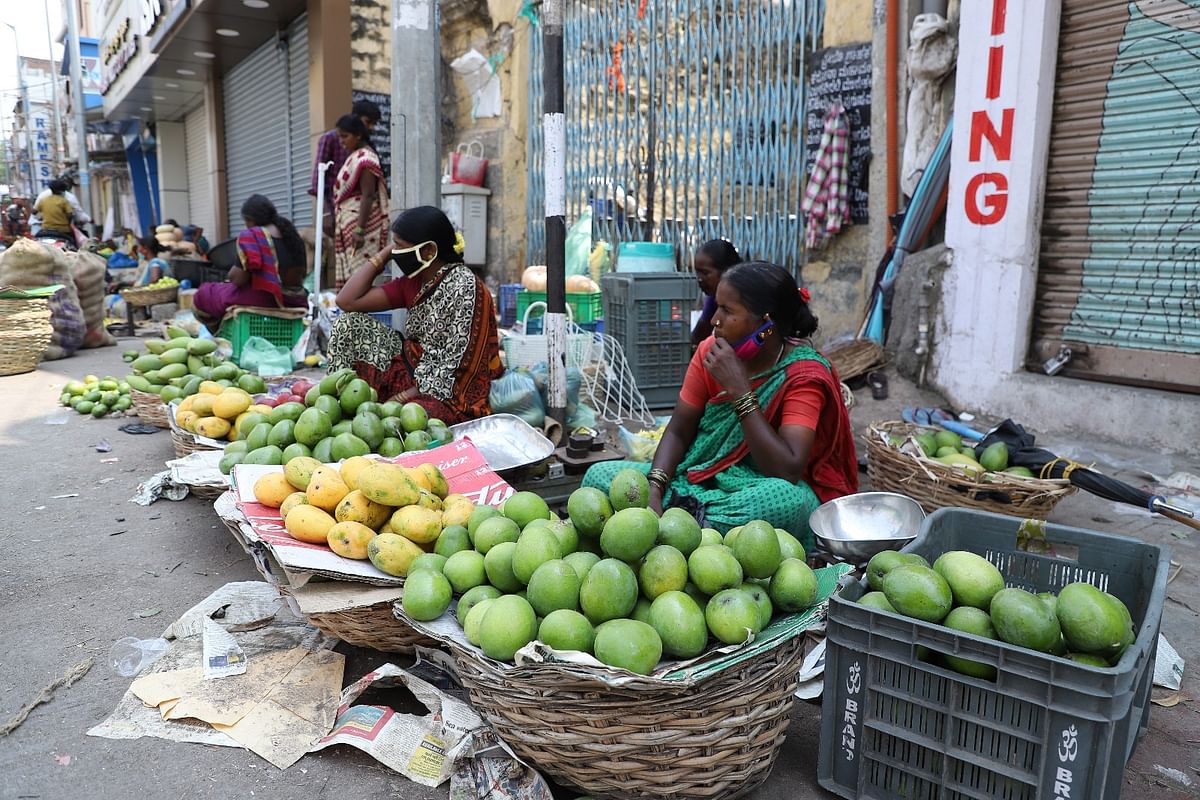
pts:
[150, 297]
[855, 358]
[149, 408]
[25, 333]
[935, 485]
[373, 626]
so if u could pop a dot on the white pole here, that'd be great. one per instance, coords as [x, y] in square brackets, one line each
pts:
[59, 153]
[320, 233]
[85, 185]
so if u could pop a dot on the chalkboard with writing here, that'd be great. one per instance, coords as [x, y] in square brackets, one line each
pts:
[381, 137]
[843, 74]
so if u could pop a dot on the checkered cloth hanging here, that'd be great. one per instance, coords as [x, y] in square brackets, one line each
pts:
[826, 204]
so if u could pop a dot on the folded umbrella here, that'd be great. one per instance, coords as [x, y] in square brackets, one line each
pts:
[1023, 453]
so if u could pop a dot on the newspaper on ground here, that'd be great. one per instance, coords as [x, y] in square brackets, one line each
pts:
[201, 468]
[1168, 665]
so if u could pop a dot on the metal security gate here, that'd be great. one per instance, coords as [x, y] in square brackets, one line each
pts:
[199, 171]
[685, 122]
[1119, 277]
[266, 128]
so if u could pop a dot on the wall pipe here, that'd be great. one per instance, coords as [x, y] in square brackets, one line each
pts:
[892, 101]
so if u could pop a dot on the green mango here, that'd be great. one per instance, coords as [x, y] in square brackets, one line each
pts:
[355, 393]
[224, 372]
[201, 347]
[180, 343]
[368, 427]
[174, 356]
[138, 382]
[173, 371]
[330, 405]
[252, 384]
[250, 422]
[154, 346]
[258, 436]
[323, 452]
[270, 454]
[295, 450]
[334, 382]
[283, 433]
[995, 457]
[146, 363]
[345, 426]
[237, 447]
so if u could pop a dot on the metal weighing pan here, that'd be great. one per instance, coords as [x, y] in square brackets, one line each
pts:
[506, 441]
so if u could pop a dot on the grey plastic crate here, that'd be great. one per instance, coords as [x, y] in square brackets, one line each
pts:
[895, 725]
[649, 314]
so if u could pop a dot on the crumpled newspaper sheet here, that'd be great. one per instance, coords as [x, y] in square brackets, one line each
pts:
[158, 486]
[201, 468]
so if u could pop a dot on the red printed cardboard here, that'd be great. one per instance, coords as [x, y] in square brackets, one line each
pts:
[466, 471]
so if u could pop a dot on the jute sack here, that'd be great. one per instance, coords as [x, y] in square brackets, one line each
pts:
[88, 269]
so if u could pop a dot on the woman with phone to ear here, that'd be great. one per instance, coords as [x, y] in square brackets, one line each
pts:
[760, 430]
[450, 352]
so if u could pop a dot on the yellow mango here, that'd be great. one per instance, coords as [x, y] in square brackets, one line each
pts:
[420, 525]
[355, 507]
[299, 471]
[186, 403]
[211, 387]
[429, 500]
[350, 539]
[386, 527]
[352, 467]
[419, 478]
[326, 488]
[272, 489]
[456, 510]
[202, 404]
[228, 405]
[435, 479]
[213, 427]
[308, 524]
[392, 553]
[259, 408]
[291, 501]
[388, 484]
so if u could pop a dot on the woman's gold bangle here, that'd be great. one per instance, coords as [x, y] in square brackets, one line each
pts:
[658, 478]
[746, 405]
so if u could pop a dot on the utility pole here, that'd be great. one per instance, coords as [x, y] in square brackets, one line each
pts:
[85, 189]
[416, 116]
[28, 110]
[555, 137]
[59, 153]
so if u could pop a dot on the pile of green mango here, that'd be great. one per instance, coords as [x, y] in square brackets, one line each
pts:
[174, 368]
[946, 447]
[98, 397]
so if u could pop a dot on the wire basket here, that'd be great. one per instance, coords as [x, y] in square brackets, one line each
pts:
[25, 333]
[854, 358]
[373, 626]
[150, 297]
[150, 408]
[717, 738]
[935, 485]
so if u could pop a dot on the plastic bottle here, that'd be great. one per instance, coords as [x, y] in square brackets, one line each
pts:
[131, 655]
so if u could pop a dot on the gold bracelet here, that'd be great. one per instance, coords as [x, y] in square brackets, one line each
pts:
[659, 478]
[746, 405]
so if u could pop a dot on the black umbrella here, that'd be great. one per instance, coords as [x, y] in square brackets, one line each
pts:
[1022, 453]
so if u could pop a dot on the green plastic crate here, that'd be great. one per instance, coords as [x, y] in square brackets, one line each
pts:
[585, 306]
[279, 332]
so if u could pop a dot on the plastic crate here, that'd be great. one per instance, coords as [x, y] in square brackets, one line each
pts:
[506, 300]
[649, 314]
[585, 306]
[897, 726]
[197, 271]
[279, 332]
[645, 257]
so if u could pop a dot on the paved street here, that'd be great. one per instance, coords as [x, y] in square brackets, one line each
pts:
[78, 571]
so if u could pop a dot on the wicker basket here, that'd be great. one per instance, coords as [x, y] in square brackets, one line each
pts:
[207, 492]
[716, 738]
[150, 408]
[373, 626]
[25, 333]
[150, 297]
[935, 485]
[185, 444]
[855, 358]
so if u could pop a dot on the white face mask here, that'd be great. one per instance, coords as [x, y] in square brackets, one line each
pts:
[409, 259]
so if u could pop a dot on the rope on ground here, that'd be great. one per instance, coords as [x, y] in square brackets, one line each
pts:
[47, 694]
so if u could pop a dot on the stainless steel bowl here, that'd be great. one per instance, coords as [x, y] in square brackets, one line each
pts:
[857, 526]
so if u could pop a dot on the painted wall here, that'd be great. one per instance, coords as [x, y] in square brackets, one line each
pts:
[371, 45]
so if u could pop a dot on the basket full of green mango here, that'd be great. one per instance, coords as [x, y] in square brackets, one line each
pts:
[939, 470]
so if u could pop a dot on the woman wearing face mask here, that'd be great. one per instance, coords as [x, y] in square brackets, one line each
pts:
[760, 431]
[711, 261]
[451, 353]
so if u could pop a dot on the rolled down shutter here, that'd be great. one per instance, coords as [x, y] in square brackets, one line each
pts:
[199, 170]
[299, 144]
[256, 131]
[1119, 274]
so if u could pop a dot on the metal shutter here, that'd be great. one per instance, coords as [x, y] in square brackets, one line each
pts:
[199, 171]
[300, 147]
[1119, 277]
[256, 131]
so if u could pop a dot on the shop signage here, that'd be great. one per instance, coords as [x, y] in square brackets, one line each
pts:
[986, 198]
[162, 18]
[118, 51]
[43, 149]
[152, 11]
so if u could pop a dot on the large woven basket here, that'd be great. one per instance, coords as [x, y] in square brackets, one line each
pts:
[935, 485]
[185, 444]
[374, 626]
[150, 408]
[206, 491]
[717, 738]
[25, 333]
[855, 358]
[150, 297]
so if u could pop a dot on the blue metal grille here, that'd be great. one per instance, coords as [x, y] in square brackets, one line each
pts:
[685, 122]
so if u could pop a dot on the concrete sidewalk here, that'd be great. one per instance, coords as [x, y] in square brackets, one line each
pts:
[81, 572]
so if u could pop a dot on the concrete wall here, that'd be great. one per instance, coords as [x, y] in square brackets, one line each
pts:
[172, 171]
[491, 27]
[371, 45]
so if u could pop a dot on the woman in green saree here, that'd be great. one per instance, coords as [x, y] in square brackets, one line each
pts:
[760, 431]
